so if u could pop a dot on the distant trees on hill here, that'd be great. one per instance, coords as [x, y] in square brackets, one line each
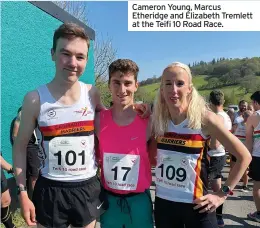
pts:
[224, 72]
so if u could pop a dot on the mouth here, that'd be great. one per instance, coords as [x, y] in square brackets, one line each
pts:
[174, 98]
[121, 97]
[70, 70]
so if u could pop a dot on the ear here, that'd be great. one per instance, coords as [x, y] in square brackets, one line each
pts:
[53, 57]
[136, 85]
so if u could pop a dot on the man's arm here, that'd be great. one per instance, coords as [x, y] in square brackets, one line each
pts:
[5, 165]
[249, 133]
[214, 143]
[95, 97]
[97, 129]
[16, 127]
[31, 108]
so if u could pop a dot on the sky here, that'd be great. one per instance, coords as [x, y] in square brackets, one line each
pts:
[153, 51]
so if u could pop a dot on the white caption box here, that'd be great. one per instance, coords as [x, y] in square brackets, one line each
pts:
[194, 15]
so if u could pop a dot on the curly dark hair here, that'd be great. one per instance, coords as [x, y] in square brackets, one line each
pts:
[124, 66]
[216, 97]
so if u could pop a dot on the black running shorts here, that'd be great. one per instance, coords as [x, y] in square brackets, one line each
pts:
[33, 162]
[216, 165]
[4, 185]
[60, 204]
[254, 169]
[170, 214]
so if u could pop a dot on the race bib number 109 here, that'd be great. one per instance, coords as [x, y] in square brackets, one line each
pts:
[121, 170]
[68, 156]
[172, 172]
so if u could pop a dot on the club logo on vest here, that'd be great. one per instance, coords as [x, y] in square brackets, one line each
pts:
[83, 111]
[51, 113]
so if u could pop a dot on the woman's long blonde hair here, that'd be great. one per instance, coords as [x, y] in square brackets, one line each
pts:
[197, 107]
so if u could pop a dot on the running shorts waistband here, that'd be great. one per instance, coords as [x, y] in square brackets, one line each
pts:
[66, 184]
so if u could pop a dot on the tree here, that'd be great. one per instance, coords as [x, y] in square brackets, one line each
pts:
[250, 84]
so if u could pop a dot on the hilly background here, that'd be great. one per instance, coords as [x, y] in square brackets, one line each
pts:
[237, 78]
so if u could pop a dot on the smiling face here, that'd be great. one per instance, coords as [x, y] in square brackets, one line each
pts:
[70, 58]
[176, 87]
[122, 87]
[243, 106]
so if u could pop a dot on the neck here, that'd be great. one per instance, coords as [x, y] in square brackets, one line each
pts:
[62, 86]
[123, 116]
[217, 109]
[178, 115]
[119, 110]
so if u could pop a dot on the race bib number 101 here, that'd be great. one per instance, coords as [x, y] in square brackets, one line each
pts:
[121, 170]
[68, 156]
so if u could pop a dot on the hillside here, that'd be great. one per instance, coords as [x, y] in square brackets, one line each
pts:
[233, 93]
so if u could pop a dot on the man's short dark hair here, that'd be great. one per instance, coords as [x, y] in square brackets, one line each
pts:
[216, 97]
[69, 31]
[124, 66]
[256, 96]
[242, 102]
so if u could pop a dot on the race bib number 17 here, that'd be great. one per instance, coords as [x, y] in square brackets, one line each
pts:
[121, 170]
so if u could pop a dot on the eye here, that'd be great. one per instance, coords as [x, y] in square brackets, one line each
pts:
[64, 53]
[80, 57]
[128, 83]
[168, 83]
[180, 83]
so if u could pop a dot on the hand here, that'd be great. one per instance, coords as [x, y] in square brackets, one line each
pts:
[209, 202]
[143, 110]
[27, 209]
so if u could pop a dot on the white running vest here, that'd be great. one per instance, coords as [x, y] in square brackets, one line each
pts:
[256, 143]
[240, 132]
[66, 137]
[220, 151]
[182, 164]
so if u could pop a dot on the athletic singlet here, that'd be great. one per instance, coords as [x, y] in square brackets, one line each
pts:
[182, 164]
[66, 137]
[238, 118]
[124, 156]
[240, 132]
[220, 151]
[256, 144]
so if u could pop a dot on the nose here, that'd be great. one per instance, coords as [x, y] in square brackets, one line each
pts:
[72, 61]
[174, 88]
[122, 88]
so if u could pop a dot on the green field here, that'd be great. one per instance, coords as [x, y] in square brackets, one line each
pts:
[198, 81]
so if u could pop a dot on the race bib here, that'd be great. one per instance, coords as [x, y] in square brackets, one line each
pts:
[121, 170]
[69, 156]
[175, 172]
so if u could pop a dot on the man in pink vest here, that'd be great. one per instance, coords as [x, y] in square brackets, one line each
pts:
[123, 152]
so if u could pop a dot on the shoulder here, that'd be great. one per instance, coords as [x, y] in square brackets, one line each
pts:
[210, 117]
[32, 97]
[31, 103]
[90, 88]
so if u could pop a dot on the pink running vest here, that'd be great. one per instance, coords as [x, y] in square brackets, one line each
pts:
[123, 155]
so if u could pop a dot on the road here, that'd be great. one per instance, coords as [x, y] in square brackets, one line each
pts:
[236, 207]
